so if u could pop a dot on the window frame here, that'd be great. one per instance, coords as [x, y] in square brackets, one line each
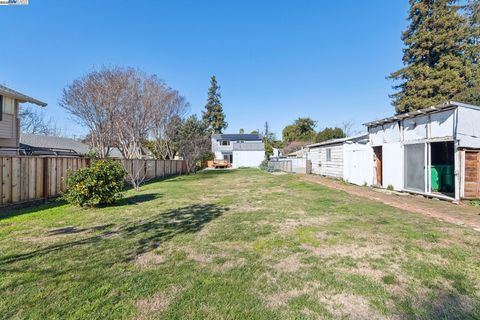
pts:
[329, 154]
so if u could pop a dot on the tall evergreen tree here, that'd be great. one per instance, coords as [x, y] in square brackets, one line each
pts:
[472, 93]
[436, 64]
[213, 114]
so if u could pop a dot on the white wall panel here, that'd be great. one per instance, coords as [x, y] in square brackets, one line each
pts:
[251, 159]
[393, 165]
[468, 129]
[358, 164]
[441, 124]
[415, 128]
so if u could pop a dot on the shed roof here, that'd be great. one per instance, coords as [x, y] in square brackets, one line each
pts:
[417, 113]
[339, 141]
[237, 136]
[20, 96]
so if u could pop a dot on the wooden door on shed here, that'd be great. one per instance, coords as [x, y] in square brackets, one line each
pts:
[472, 174]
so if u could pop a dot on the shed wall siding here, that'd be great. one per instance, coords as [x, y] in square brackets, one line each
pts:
[415, 129]
[358, 164]
[468, 128]
[392, 165]
[442, 124]
[320, 165]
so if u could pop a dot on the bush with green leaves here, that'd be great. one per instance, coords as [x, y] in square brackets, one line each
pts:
[264, 165]
[99, 184]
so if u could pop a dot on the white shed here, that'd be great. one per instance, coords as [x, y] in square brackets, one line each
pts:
[434, 151]
[349, 159]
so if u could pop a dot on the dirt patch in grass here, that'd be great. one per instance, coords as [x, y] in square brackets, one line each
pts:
[349, 306]
[149, 260]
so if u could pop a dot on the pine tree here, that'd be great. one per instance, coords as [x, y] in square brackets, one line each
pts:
[213, 114]
[436, 67]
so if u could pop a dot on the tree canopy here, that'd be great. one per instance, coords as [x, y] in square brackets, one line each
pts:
[329, 134]
[213, 115]
[437, 67]
[303, 129]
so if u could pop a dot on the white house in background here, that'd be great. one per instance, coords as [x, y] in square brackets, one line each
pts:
[241, 150]
[349, 159]
[433, 151]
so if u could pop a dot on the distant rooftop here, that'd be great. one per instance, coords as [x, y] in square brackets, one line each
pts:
[359, 137]
[20, 96]
[55, 143]
[237, 136]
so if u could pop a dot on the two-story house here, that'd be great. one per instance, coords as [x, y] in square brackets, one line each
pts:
[9, 120]
[241, 150]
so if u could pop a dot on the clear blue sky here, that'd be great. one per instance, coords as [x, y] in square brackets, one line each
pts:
[275, 60]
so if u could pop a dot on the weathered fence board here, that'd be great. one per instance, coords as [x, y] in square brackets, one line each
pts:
[29, 178]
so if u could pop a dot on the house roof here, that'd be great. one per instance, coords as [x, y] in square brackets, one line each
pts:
[20, 96]
[339, 141]
[56, 143]
[417, 113]
[237, 136]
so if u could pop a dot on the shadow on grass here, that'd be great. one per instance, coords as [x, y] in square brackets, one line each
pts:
[149, 234]
[33, 207]
[446, 305]
[36, 207]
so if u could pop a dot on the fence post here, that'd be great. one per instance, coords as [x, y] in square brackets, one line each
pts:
[46, 179]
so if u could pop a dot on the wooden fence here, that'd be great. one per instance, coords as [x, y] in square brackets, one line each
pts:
[30, 178]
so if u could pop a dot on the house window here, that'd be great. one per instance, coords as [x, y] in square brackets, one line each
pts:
[1, 107]
[225, 143]
[329, 154]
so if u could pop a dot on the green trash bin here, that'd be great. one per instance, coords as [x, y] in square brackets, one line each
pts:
[448, 179]
[436, 175]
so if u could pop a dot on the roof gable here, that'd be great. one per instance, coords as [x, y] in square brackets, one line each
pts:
[20, 96]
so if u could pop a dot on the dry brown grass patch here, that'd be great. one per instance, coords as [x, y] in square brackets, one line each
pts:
[349, 306]
[158, 302]
[149, 260]
[289, 264]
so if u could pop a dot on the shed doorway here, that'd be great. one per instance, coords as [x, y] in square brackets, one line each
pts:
[442, 168]
[378, 158]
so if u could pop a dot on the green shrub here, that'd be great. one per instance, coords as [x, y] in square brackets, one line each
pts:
[100, 183]
[264, 165]
[390, 188]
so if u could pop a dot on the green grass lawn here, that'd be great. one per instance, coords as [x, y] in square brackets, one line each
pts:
[240, 244]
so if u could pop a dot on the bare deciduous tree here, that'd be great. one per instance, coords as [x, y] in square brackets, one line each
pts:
[167, 120]
[123, 107]
[33, 121]
[93, 100]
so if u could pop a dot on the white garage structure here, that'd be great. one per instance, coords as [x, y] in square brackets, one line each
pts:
[434, 151]
[349, 159]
